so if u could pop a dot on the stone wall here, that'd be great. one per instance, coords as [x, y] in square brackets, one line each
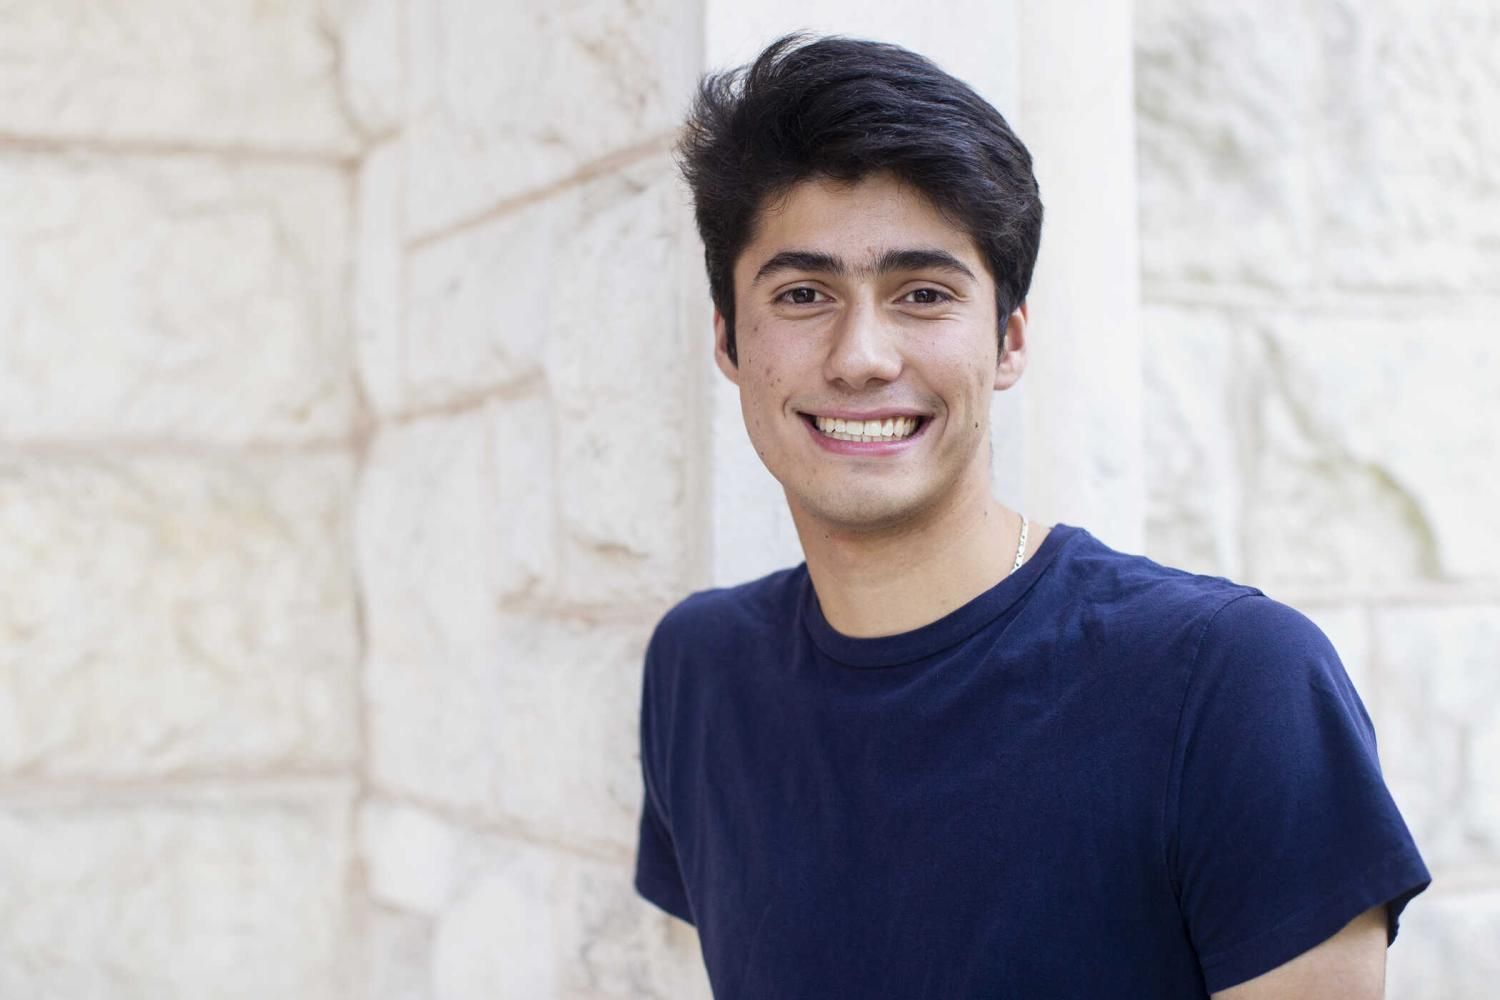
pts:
[356, 427]
[179, 643]
[1320, 242]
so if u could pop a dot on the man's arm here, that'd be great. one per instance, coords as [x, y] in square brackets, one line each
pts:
[1348, 966]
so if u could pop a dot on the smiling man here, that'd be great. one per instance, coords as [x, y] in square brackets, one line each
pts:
[955, 754]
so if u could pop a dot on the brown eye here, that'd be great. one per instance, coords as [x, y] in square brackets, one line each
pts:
[801, 296]
[927, 296]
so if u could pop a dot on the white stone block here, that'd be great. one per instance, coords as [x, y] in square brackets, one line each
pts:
[1440, 727]
[1446, 947]
[409, 855]
[1195, 438]
[589, 292]
[511, 96]
[1293, 145]
[1408, 159]
[164, 615]
[585, 933]
[541, 734]
[222, 895]
[1374, 462]
[178, 297]
[1227, 98]
[454, 518]
[590, 273]
[236, 73]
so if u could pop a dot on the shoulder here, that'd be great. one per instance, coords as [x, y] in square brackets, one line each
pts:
[1254, 623]
[1135, 605]
[1140, 581]
[1258, 653]
[1219, 638]
[733, 613]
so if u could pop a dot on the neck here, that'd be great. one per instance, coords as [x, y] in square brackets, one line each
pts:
[874, 583]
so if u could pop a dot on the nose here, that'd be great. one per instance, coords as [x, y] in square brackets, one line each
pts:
[863, 349]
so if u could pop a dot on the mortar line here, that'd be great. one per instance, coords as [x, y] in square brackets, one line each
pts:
[592, 170]
[86, 447]
[507, 829]
[48, 789]
[527, 387]
[20, 142]
[1364, 303]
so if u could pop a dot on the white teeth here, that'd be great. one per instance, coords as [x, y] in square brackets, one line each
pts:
[889, 429]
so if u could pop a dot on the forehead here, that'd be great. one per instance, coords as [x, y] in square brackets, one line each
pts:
[855, 221]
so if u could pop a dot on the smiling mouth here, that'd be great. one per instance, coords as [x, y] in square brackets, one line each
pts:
[865, 431]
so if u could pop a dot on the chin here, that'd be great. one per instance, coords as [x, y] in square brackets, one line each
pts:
[869, 513]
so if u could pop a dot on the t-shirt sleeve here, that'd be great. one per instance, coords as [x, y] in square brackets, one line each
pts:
[1281, 827]
[658, 876]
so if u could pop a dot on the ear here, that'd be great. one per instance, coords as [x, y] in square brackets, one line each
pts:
[721, 349]
[1013, 361]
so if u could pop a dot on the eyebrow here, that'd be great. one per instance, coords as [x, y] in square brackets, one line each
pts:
[915, 259]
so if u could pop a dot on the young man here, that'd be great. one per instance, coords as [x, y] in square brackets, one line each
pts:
[954, 754]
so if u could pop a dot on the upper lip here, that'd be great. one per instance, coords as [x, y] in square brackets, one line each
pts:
[863, 415]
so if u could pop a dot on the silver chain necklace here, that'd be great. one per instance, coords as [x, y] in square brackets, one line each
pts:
[1021, 545]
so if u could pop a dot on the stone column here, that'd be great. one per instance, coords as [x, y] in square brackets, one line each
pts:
[1084, 455]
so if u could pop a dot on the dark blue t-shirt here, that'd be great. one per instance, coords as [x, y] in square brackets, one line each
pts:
[1100, 778]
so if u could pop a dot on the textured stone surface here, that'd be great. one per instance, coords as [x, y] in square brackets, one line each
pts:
[397, 960]
[1320, 427]
[1440, 728]
[1369, 460]
[409, 855]
[1226, 95]
[175, 615]
[378, 278]
[371, 65]
[540, 733]
[579, 275]
[506, 97]
[179, 297]
[220, 894]
[236, 73]
[1195, 438]
[398, 957]
[587, 934]
[455, 517]
[1446, 948]
[1340, 145]
[581, 293]
[512, 920]
[1410, 180]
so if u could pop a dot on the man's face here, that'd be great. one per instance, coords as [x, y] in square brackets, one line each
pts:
[860, 303]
